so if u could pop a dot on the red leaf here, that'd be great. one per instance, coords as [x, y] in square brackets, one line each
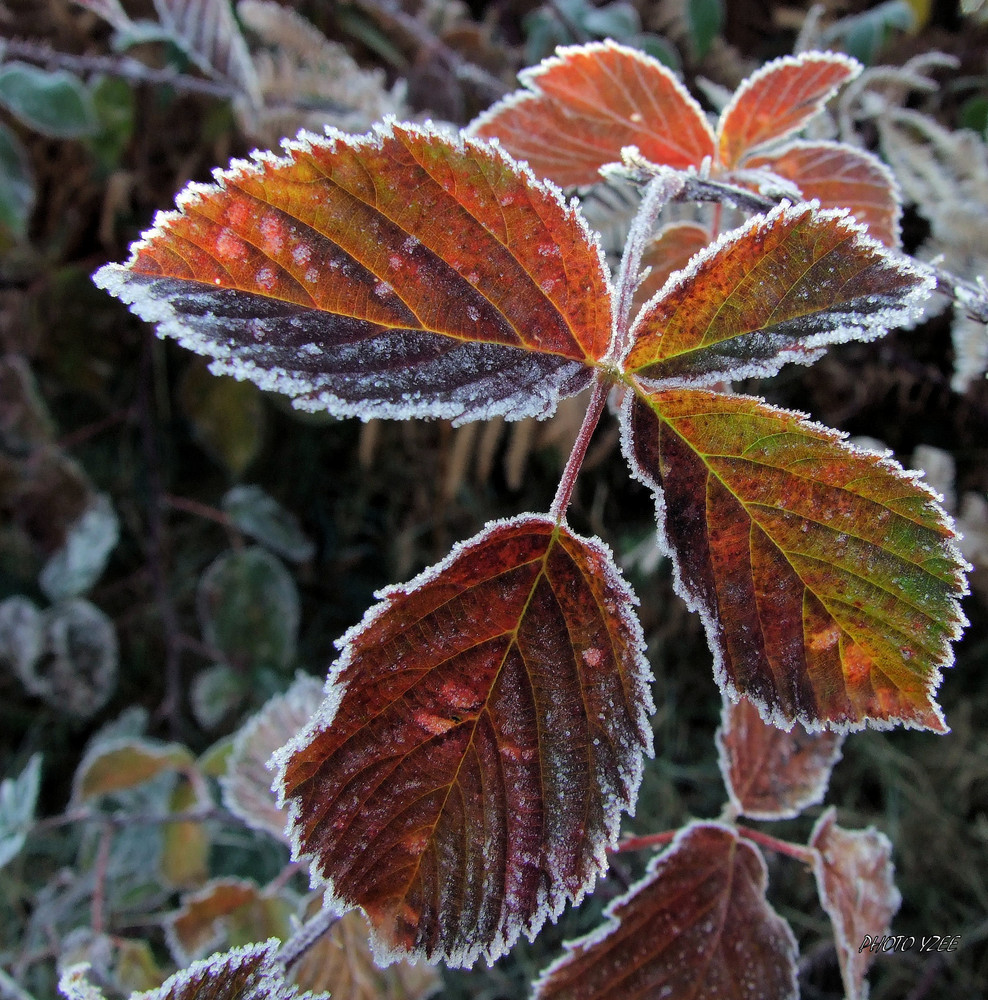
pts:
[769, 773]
[396, 274]
[855, 880]
[839, 176]
[773, 291]
[670, 251]
[482, 732]
[250, 973]
[582, 106]
[698, 925]
[827, 577]
[778, 100]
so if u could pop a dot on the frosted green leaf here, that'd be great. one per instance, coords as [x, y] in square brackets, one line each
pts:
[249, 609]
[18, 798]
[16, 184]
[261, 517]
[80, 562]
[53, 102]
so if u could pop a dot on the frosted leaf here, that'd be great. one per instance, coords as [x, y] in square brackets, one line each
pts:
[76, 669]
[247, 783]
[222, 276]
[854, 876]
[775, 290]
[80, 562]
[18, 799]
[248, 973]
[22, 635]
[697, 925]
[771, 773]
[215, 693]
[259, 515]
[481, 735]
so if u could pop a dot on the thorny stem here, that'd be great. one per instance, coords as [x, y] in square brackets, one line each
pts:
[598, 397]
[797, 851]
[305, 937]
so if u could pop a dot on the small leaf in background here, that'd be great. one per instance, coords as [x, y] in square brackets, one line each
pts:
[775, 290]
[247, 783]
[114, 104]
[705, 19]
[207, 32]
[16, 185]
[827, 577]
[248, 608]
[76, 671]
[771, 773]
[80, 562]
[184, 860]
[215, 693]
[778, 100]
[855, 880]
[697, 925]
[225, 912]
[481, 735]
[402, 273]
[260, 516]
[341, 964]
[249, 972]
[227, 416]
[579, 108]
[53, 102]
[864, 34]
[22, 634]
[112, 766]
[18, 799]
[839, 176]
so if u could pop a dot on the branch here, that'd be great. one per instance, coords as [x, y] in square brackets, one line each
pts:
[305, 937]
[123, 66]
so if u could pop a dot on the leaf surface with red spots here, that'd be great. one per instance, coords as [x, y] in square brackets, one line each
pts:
[402, 273]
[482, 733]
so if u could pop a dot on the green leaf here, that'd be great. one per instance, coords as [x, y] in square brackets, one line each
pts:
[259, 515]
[80, 561]
[18, 798]
[114, 105]
[705, 19]
[249, 609]
[117, 766]
[53, 102]
[16, 184]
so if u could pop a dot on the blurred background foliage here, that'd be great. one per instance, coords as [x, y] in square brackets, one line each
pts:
[175, 547]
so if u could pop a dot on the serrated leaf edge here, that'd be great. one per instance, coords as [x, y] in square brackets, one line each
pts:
[549, 908]
[711, 626]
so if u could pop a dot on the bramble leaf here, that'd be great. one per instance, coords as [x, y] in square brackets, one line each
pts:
[120, 764]
[839, 176]
[855, 880]
[669, 251]
[827, 577]
[775, 290]
[249, 973]
[481, 735]
[401, 273]
[778, 100]
[769, 773]
[583, 105]
[697, 925]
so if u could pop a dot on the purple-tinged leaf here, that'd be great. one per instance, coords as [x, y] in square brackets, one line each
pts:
[401, 273]
[698, 925]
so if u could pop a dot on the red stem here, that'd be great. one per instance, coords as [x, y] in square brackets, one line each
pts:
[598, 396]
[805, 854]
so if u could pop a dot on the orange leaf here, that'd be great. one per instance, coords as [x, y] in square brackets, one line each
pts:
[670, 251]
[698, 925]
[773, 291]
[582, 106]
[769, 773]
[854, 876]
[778, 100]
[839, 176]
[397, 274]
[827, 577]
[482, 733]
